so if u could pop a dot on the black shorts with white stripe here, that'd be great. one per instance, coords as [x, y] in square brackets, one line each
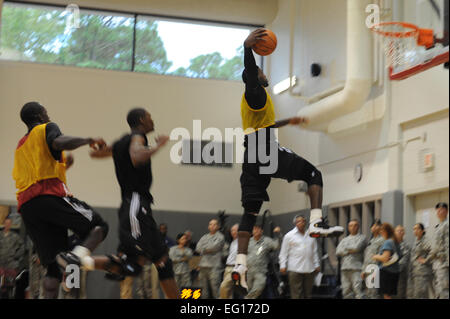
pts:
[47, 219]
[138, 231]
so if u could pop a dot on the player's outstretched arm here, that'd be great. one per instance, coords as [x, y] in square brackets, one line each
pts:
[290, 121]
[140, 153]
[68, 143]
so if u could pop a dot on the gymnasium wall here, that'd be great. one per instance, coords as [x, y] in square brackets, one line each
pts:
[320, 37]
[87, 102]
[421, 107]
[411, 107]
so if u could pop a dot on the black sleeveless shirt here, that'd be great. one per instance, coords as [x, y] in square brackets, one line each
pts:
[131, 179]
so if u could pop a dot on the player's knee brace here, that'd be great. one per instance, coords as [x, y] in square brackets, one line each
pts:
[252, 207]
[248, 220]
[165, 271]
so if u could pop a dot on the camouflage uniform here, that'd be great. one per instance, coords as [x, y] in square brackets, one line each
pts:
[421, 275]
[147, 286]
[404, 270]
[75, 293]
[12, 250]
[37, 273]
[371, 250]
[180, 266]
[439, 255]
[144, 282]
[351, 265]
[257, 261]
[211, 263]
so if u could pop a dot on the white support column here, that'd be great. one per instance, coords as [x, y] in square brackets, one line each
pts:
[333, 216]
[378, 210]
[367, 218]
[343, 219]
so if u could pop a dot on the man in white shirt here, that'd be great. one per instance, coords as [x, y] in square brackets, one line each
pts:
[299, 257]
[226, 287]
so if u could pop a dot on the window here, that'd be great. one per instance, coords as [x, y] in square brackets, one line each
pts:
[102, 41]
[122, 41]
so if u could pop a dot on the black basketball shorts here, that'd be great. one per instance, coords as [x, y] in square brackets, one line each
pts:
[138, 232]
[47, 219]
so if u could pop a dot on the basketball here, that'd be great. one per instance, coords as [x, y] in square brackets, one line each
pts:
[266, 45]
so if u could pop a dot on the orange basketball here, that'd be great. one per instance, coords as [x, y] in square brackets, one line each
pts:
[268, 46]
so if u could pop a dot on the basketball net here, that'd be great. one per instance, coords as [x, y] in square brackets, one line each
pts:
[407, 48]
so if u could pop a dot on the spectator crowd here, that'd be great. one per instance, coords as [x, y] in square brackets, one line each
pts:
[382, 266]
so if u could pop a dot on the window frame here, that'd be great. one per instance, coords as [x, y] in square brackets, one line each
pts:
[135, 16]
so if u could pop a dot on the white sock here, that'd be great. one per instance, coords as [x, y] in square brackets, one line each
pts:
[241, 259]
[81, 252]
[88, 262]
[316, 214]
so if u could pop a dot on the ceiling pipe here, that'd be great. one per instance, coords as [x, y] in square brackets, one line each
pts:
[307, 99]
[359, 73]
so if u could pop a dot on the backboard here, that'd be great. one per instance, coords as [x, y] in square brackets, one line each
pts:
[428, 14]
[405, 57]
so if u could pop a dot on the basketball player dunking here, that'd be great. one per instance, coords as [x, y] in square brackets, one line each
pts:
[258, 120]
[139, 236]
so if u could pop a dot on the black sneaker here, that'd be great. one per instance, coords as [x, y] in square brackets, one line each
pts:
[238, 276]
[115, 261]
[67, 258]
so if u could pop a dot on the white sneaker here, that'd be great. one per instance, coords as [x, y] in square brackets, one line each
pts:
[239, 277]
[320, 228]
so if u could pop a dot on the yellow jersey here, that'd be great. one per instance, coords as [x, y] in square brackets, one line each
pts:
[253, 120]
[33, 161]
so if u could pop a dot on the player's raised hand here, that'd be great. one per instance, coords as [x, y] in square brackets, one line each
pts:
[104, 151]
[97, 143]
[254, 37]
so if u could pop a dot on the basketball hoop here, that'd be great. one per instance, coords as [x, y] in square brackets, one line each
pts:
[407, 48]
